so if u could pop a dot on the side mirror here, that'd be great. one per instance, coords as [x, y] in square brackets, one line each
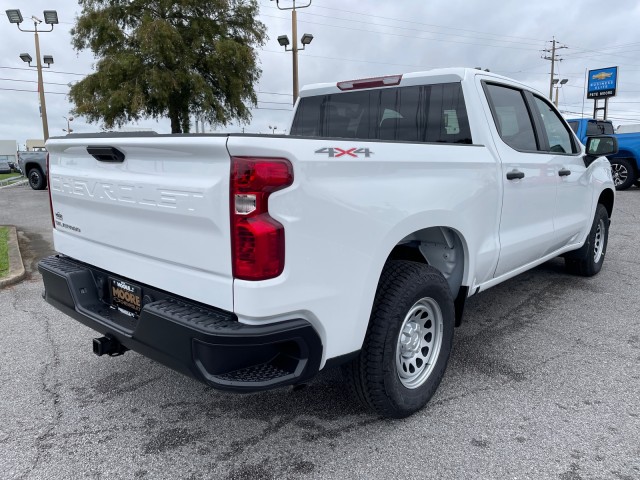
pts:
[601, 145]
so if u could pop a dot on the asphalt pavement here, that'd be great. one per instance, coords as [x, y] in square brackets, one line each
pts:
[544, 382]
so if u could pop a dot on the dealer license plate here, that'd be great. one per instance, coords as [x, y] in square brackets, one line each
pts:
[126, 297]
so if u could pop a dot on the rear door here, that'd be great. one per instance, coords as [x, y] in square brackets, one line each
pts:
[151, 209]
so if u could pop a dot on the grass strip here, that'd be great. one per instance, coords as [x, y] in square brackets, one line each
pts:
[4, 176]
[4, 251]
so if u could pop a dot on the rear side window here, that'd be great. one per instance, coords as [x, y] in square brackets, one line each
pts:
[599, 128]
[512, 117]
[427, 113]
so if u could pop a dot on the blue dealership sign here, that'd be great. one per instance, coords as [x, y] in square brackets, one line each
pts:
[602, 82]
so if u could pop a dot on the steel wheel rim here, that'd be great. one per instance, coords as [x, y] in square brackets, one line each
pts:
[598, 243]
[619, 173]
[419, 343]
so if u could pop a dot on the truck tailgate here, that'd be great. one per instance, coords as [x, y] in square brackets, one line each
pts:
[159, 217]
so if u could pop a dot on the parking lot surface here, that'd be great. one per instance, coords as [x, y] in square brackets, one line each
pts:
[544, 382]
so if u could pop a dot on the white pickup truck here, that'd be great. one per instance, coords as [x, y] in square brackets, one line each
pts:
[254, 261]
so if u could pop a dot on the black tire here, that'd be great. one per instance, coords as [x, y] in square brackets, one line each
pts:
[374, 377]
[623, 173]
[36, 179]
[588, 260]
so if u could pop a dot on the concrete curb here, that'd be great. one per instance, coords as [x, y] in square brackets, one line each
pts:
[16, 267]
[22, 181]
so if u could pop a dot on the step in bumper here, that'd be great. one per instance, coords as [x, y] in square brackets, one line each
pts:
[202, 342]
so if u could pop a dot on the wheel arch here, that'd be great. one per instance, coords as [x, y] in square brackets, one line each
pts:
[30, 165]
[606, 198]
[444, 248]
[626, 155]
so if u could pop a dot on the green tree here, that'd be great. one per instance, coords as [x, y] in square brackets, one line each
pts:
[175, 58]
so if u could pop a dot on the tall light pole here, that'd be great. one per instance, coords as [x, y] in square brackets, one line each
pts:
[283, 40]
[558, 85]
[50, 18]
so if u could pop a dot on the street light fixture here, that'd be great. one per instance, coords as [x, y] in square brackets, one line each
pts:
[557, 83]
[14, 16]
[273, 129]
[283, 40]
[68, 129]
[50, 18]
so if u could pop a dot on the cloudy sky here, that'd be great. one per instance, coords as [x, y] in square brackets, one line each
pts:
[355, 39]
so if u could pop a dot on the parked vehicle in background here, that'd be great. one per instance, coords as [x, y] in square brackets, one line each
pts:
[625, 165]
[629, 128]
[353, 241]
[33, 165]
[5, 166]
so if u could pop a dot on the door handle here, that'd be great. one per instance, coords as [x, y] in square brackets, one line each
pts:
[106, 154]
[564, 172]
[515, 174]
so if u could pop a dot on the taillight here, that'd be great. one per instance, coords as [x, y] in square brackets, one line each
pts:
[257, 240]
[387, 81]
[53, 221]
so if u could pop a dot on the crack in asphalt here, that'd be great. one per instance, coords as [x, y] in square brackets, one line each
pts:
[50, 386]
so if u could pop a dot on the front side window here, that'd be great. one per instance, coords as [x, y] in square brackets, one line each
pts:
[574, 127]
[557, 134]
[512, 117]
[427, 113]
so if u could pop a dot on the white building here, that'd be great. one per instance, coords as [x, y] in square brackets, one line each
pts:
[8, 151]
[35, 145]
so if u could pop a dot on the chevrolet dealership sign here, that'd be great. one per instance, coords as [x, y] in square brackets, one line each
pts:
[602, 82]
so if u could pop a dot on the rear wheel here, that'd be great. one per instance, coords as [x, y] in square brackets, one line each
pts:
[36, 179]
[408, 341]
[588, 260]
[622, 172]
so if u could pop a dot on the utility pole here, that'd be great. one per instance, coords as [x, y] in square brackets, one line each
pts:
[554, 58]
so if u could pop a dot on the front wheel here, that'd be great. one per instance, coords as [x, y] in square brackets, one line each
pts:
[36, 179]
[622, 172]
[408, 341]
[588, 260]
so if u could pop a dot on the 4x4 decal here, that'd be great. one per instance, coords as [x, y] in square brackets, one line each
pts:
[340, 152]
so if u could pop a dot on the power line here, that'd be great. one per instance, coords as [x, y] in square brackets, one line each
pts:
[501, 39]
[351, 12]
[351, 59]
[276, 103]
[32, 81]
[32, 91]
[47, 70]
[413, 37]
